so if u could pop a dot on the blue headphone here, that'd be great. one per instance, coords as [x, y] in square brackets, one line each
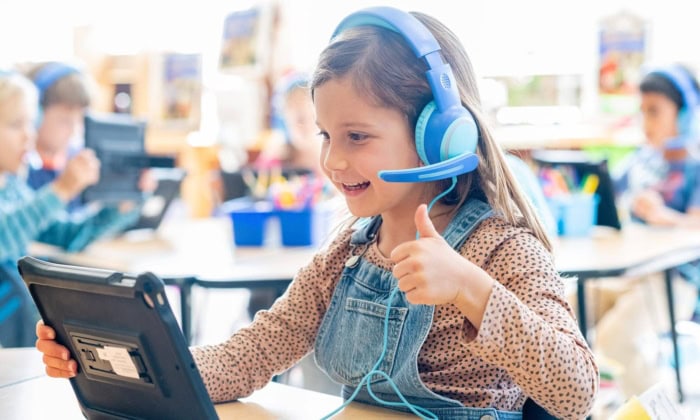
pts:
[682, 81]
[46, 77]
[446, 132]
[50, 74]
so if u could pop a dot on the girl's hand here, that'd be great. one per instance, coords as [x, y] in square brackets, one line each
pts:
[56, 357]
[430, 272]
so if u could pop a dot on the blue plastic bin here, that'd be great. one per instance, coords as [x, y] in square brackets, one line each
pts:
[297, 227]
[576, 214]
[249, 220]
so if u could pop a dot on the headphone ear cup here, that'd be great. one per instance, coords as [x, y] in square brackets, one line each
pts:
[684, 122]
[444, 135]
[39, 117]
[421, 125]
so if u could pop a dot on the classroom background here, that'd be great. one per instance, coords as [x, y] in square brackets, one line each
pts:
[553, 76]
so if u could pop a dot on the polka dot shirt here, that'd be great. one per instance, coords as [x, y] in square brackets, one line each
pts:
[528, 346]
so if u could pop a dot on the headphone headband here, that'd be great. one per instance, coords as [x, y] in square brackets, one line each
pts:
[682, 81]
[421, 41]
[49, 74]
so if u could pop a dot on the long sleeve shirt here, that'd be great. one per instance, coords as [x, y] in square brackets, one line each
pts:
[27, 215]
[528, 344]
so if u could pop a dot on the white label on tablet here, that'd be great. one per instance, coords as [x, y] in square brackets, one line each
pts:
[120, 360]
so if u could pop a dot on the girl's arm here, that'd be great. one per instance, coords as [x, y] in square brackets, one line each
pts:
[649, 206]
[277, 338]
[529, 330]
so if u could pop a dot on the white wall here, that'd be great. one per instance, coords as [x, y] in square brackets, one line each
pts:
[500, 35]
[503, 37]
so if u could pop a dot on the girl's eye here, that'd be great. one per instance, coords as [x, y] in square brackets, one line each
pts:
[357, 136]
[323, 135]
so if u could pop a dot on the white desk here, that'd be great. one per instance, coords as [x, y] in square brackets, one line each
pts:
[634, 251]
[30, 397]
[185, 253]
[201, 248]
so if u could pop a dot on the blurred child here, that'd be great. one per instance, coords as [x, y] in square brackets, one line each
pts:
[65, 94]
[662, 182]
[299, 146]
[64, 97]
[448, 310]
[27, 215]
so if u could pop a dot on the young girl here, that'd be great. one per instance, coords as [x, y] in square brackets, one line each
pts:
[27, 216]
[456, 310]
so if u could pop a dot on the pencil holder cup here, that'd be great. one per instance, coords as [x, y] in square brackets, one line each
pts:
[296, 226]
[305, 227]
[575, 214]
[250, 220]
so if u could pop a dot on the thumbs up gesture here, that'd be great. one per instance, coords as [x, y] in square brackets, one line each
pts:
[430, 272]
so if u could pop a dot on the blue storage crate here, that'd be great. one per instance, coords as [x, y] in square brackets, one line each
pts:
[297, 227]
[576, 214]
[249, 219]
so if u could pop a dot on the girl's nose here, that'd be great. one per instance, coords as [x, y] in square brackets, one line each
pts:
[333, 157]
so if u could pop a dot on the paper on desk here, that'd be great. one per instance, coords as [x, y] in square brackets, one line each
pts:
[653, 404]
[658, 405]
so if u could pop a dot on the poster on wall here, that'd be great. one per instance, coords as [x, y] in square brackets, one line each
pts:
[243, 35]
[182, 89]
[622, 43]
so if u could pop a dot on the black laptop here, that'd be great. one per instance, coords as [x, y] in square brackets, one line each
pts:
[133, 360]
[157, 204]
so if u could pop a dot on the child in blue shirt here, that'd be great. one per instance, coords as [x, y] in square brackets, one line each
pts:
[662, 181]
[27, 215]
[64, 96]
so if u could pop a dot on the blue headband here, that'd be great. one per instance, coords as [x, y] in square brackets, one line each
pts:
[50, 74]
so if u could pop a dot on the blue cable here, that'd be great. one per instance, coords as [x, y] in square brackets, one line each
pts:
[419, 411]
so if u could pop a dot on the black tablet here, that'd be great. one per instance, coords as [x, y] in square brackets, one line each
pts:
[133, 359]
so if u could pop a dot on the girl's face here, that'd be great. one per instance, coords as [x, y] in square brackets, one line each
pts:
[660, 116]
[16, 133]
[359, 139]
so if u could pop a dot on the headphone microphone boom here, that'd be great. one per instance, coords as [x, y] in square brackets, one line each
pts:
[446, 133]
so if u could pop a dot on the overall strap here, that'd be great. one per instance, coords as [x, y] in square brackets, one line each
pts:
[468, 217]
[367, 231]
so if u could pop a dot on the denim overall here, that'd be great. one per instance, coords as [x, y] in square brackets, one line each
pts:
[349, 341]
